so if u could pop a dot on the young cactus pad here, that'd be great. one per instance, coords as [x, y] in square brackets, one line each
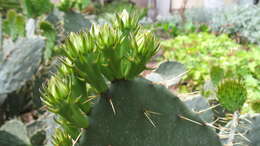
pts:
[232, 94]
[131, 111]
[14, 25]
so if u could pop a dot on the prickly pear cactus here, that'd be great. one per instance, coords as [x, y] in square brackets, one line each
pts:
[50, 34]
[14, 133]
[74, 22]
[1, 34]
[200, 105]
[100, 101]
[168, 73]
[145, 114]
[248, 130]
[19, 62]
[14, 25]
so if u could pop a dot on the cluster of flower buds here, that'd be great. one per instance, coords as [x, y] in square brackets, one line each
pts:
[66, 95]
[61, 138]
[116, 51]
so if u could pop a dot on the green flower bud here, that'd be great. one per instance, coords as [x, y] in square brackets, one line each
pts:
[68, 127]
[126, 22]
[61, 138]
[61, 98]
[74, 115]
[81, 50]
[58, 88]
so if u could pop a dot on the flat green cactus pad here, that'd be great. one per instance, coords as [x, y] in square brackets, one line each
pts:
[145, 115]
[13, 133]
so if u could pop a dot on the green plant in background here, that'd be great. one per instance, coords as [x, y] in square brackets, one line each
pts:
[67, 5]
[175, 29]
[255, 105]
[50, 34]
[35, 8]
[170, 28]
[257, 71]
[14, 25]
[241, 21]
[9, 4]
[107, 60]
[232, 94]
[200, 51]
[216, 74]
[118, 6]
[82, 4]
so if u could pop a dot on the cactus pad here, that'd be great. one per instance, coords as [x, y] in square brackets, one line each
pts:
[134, 101]
[20, 63]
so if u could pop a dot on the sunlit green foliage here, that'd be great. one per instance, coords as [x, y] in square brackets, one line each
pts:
[201, 51]
[176, 29]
